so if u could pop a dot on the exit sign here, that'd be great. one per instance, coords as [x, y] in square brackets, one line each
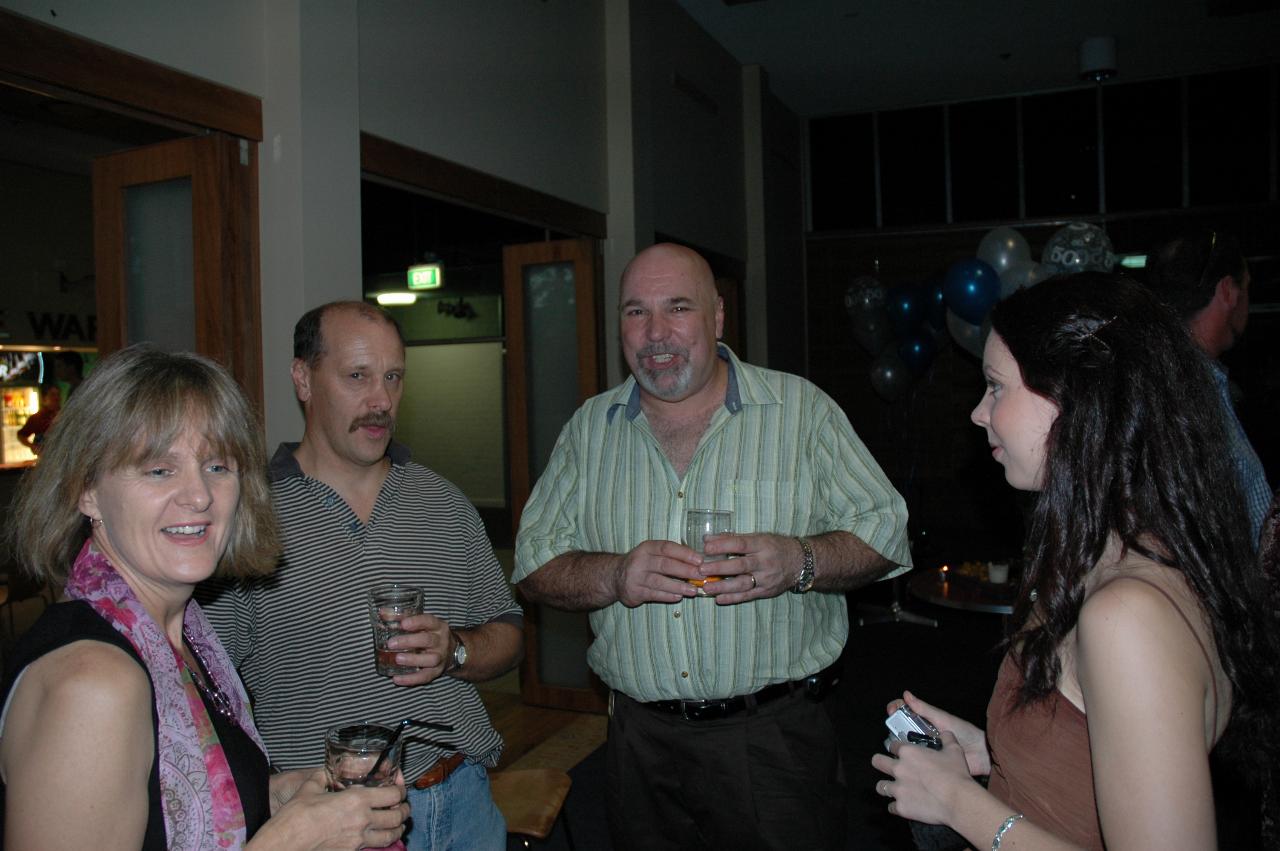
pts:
[428, 276]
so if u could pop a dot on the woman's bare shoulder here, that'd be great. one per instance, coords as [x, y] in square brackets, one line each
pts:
[90, 678]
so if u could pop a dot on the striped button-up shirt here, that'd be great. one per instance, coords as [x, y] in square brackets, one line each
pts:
[781, 455]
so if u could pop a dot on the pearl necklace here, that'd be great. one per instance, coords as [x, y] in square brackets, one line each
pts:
[216, 696]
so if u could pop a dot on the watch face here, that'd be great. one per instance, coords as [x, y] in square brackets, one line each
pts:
[460, 655]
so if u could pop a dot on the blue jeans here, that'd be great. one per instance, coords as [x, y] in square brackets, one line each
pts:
[456, 815]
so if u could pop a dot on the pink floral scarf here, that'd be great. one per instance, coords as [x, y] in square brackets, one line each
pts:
[201, 805]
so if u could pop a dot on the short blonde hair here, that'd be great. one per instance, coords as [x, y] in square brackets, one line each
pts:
[132, 407]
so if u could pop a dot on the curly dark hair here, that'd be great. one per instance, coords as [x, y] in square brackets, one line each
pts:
[1138, 450]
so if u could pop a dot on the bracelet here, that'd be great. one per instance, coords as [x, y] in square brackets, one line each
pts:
[1008, 823]
[804, 581]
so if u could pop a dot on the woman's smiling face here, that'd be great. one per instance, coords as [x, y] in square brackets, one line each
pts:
[166, 521]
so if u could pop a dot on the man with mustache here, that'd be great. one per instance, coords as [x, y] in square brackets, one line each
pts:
[716, 735]
[355, 511]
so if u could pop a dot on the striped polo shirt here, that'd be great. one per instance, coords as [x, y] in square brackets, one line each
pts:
[783, 457]
[302, 640]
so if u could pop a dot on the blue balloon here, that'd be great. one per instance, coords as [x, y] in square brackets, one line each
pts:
[906, 309]
[918, 351]
[971, 288]
[936, 304]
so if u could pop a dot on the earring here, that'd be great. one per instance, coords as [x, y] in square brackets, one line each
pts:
[96, 522]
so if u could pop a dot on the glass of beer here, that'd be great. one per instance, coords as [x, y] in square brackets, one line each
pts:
[698, 524]
[389, 603]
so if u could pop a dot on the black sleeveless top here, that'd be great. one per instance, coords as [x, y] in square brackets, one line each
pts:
[64, 623]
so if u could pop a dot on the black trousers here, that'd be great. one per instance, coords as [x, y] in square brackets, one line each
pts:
[768, 778]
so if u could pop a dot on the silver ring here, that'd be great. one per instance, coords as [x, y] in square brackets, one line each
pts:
[880, 788]
[753, 580]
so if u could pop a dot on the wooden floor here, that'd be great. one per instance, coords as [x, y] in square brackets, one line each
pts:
[537, 737]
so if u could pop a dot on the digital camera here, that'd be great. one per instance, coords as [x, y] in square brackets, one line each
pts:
[906, 726]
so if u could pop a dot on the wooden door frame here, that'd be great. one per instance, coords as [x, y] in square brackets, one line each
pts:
[416, 169]
[59, 64]
[224, 179]
[515, 258]
[32, 51]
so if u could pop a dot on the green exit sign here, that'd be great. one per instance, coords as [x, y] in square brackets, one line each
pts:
[428, 276]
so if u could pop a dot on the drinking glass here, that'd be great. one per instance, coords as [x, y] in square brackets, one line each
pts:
[389, 603]
[352, 750]
[353, 756]
[700, 522]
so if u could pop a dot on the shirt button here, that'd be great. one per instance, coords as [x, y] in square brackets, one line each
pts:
[679, 494]
[677, 613]
[684, 674]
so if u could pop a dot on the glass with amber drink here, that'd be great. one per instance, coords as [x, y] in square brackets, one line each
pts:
[698, 524]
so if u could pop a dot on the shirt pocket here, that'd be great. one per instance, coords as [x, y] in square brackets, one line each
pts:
[779, 506]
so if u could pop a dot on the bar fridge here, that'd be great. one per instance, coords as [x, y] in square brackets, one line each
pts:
[19, 402]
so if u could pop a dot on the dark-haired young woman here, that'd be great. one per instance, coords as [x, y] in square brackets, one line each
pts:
[1143, 628]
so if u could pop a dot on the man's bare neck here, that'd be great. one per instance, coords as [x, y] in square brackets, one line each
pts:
[679, 426]
[357, 484]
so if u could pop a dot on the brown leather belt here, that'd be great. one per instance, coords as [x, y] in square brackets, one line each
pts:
[439, 772]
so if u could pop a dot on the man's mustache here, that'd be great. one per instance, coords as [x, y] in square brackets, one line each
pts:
[659, 349]
[377, 420]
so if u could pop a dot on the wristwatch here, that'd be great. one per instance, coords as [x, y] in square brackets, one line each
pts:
[459, 653]
[805, 580]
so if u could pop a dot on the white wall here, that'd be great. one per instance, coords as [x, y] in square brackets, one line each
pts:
[689, 118]
[221, 41]
[309, 180]
[454, 424]
[513, 89]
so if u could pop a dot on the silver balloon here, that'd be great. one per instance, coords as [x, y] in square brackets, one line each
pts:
[871, 330]
[968, 336]
[864, 294]
[1079, 247]
[1003, 248]
[1022, 275]
[889, 375]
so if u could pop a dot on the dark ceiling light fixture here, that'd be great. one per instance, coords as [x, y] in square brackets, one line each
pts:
[1098, 58]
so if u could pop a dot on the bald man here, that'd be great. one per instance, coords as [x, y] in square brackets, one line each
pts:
[717, 666]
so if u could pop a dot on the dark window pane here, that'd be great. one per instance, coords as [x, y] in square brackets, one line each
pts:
[1060, 152]
[912, 167]
[984, 160]
[842, 173]
[1142, 128]
[1227, 136]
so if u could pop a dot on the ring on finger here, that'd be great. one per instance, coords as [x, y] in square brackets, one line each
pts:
[753, 580]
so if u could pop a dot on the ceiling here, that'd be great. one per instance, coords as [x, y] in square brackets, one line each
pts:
[828, 57]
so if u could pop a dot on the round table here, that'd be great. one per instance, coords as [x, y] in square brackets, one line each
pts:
[934, 586]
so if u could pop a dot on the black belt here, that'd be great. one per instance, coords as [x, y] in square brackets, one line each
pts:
[815, 688]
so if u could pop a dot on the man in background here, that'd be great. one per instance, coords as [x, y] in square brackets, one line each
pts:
[32, 432]
[1204, 278]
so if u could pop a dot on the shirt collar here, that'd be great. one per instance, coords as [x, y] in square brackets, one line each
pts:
[742, 389]
[285, 466]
